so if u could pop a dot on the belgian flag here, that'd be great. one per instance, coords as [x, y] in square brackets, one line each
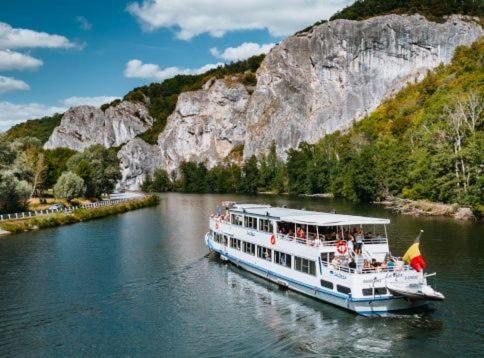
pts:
[413, 255]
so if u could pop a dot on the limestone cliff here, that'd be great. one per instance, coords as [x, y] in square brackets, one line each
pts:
[206, 124]
[84, 126]
[323, 80]
[138, 159]
[310, 84]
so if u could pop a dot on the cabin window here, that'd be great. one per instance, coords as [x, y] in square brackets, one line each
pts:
[305, 265]
[236, 220]
[327, 284]
[266, 225]
[343, 289]
[235, 243]
[264, 253]
[217, 237]
[248, 248]
[282, 259]
[378, 291]
[251, 222]
[225, 240]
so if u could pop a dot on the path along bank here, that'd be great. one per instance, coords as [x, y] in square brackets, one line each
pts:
[71, 217]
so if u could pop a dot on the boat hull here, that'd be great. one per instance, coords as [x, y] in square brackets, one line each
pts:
[365, 307]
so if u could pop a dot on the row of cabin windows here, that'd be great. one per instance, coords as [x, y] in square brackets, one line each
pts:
[347, 290]
[281, 258]
[250, 222]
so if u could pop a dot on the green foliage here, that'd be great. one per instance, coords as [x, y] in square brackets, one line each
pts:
[69, 186]
[64, 218]
[39, 128]
[56, 160]
[159, 182]
[250, 176]
[110, 104]
[14, 193]
[432, 9]
[162, 96]
[425, 143]
[98, 167]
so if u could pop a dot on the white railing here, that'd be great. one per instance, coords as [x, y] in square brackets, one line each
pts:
[29, 214]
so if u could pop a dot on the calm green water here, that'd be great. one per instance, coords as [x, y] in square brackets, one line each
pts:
[141, 283]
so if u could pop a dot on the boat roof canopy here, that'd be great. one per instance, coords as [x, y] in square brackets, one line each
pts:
[306, 217]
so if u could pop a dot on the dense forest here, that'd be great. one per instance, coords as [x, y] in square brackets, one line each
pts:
[424, 143]
[432, 9]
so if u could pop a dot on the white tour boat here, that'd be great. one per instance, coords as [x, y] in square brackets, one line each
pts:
[341, 259]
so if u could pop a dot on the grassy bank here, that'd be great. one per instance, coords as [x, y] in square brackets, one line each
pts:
[64, 218]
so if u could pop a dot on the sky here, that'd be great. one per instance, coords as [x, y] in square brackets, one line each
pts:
[55, 54]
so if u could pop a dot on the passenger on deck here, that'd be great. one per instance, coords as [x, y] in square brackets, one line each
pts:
[335, 262]
[289, 233]
[300, 233]
[352, 264]
[366, 265]
[351, 244]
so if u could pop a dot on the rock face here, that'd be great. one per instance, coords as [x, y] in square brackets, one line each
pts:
[311, 84]
[137, 159]
[206, 124]
[84, 126]
[321, 81]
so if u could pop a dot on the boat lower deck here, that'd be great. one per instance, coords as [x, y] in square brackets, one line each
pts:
[362, 306]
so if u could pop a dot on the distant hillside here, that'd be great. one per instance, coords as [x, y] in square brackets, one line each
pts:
[432, 9]
[40, 128]
[162, 98]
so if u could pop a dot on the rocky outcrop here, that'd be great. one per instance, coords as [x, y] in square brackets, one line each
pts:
[137, 159]
[323, 80]
[84, 126]
[311, 84]
[206, 124]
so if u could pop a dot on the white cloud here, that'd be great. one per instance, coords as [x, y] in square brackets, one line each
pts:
[11, 84]
[83, 23]
[11, 60]
[246, 50]
[138, 69]
[91, 101]
[190, 18]
[11, 38]
[11, 114]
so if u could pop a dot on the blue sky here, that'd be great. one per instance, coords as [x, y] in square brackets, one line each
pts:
[57, 53]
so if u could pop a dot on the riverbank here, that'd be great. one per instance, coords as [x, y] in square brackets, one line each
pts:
[426, 208]
[65, 218]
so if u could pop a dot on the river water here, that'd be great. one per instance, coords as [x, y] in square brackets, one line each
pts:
[142, 283]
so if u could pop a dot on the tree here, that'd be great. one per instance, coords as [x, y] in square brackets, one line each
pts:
[69, 186]
[250, 177]
[14, 193]
[158, 182]
[98, 167]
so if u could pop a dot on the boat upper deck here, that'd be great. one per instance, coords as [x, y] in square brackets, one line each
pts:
[305, 217]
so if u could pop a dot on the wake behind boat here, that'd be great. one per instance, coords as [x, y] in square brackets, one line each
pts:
[341, 259]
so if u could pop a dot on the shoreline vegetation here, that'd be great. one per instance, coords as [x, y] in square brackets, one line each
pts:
[72, 217]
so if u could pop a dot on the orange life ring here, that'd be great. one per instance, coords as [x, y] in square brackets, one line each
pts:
[216, 226]
[273, 239]
[341, 247]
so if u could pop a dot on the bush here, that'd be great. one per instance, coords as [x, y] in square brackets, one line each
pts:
[69, 186]
[14, 193]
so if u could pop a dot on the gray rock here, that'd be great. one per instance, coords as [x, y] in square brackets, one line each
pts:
[137, 159]
[84, 126]
[322, 81]
[206, 124]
